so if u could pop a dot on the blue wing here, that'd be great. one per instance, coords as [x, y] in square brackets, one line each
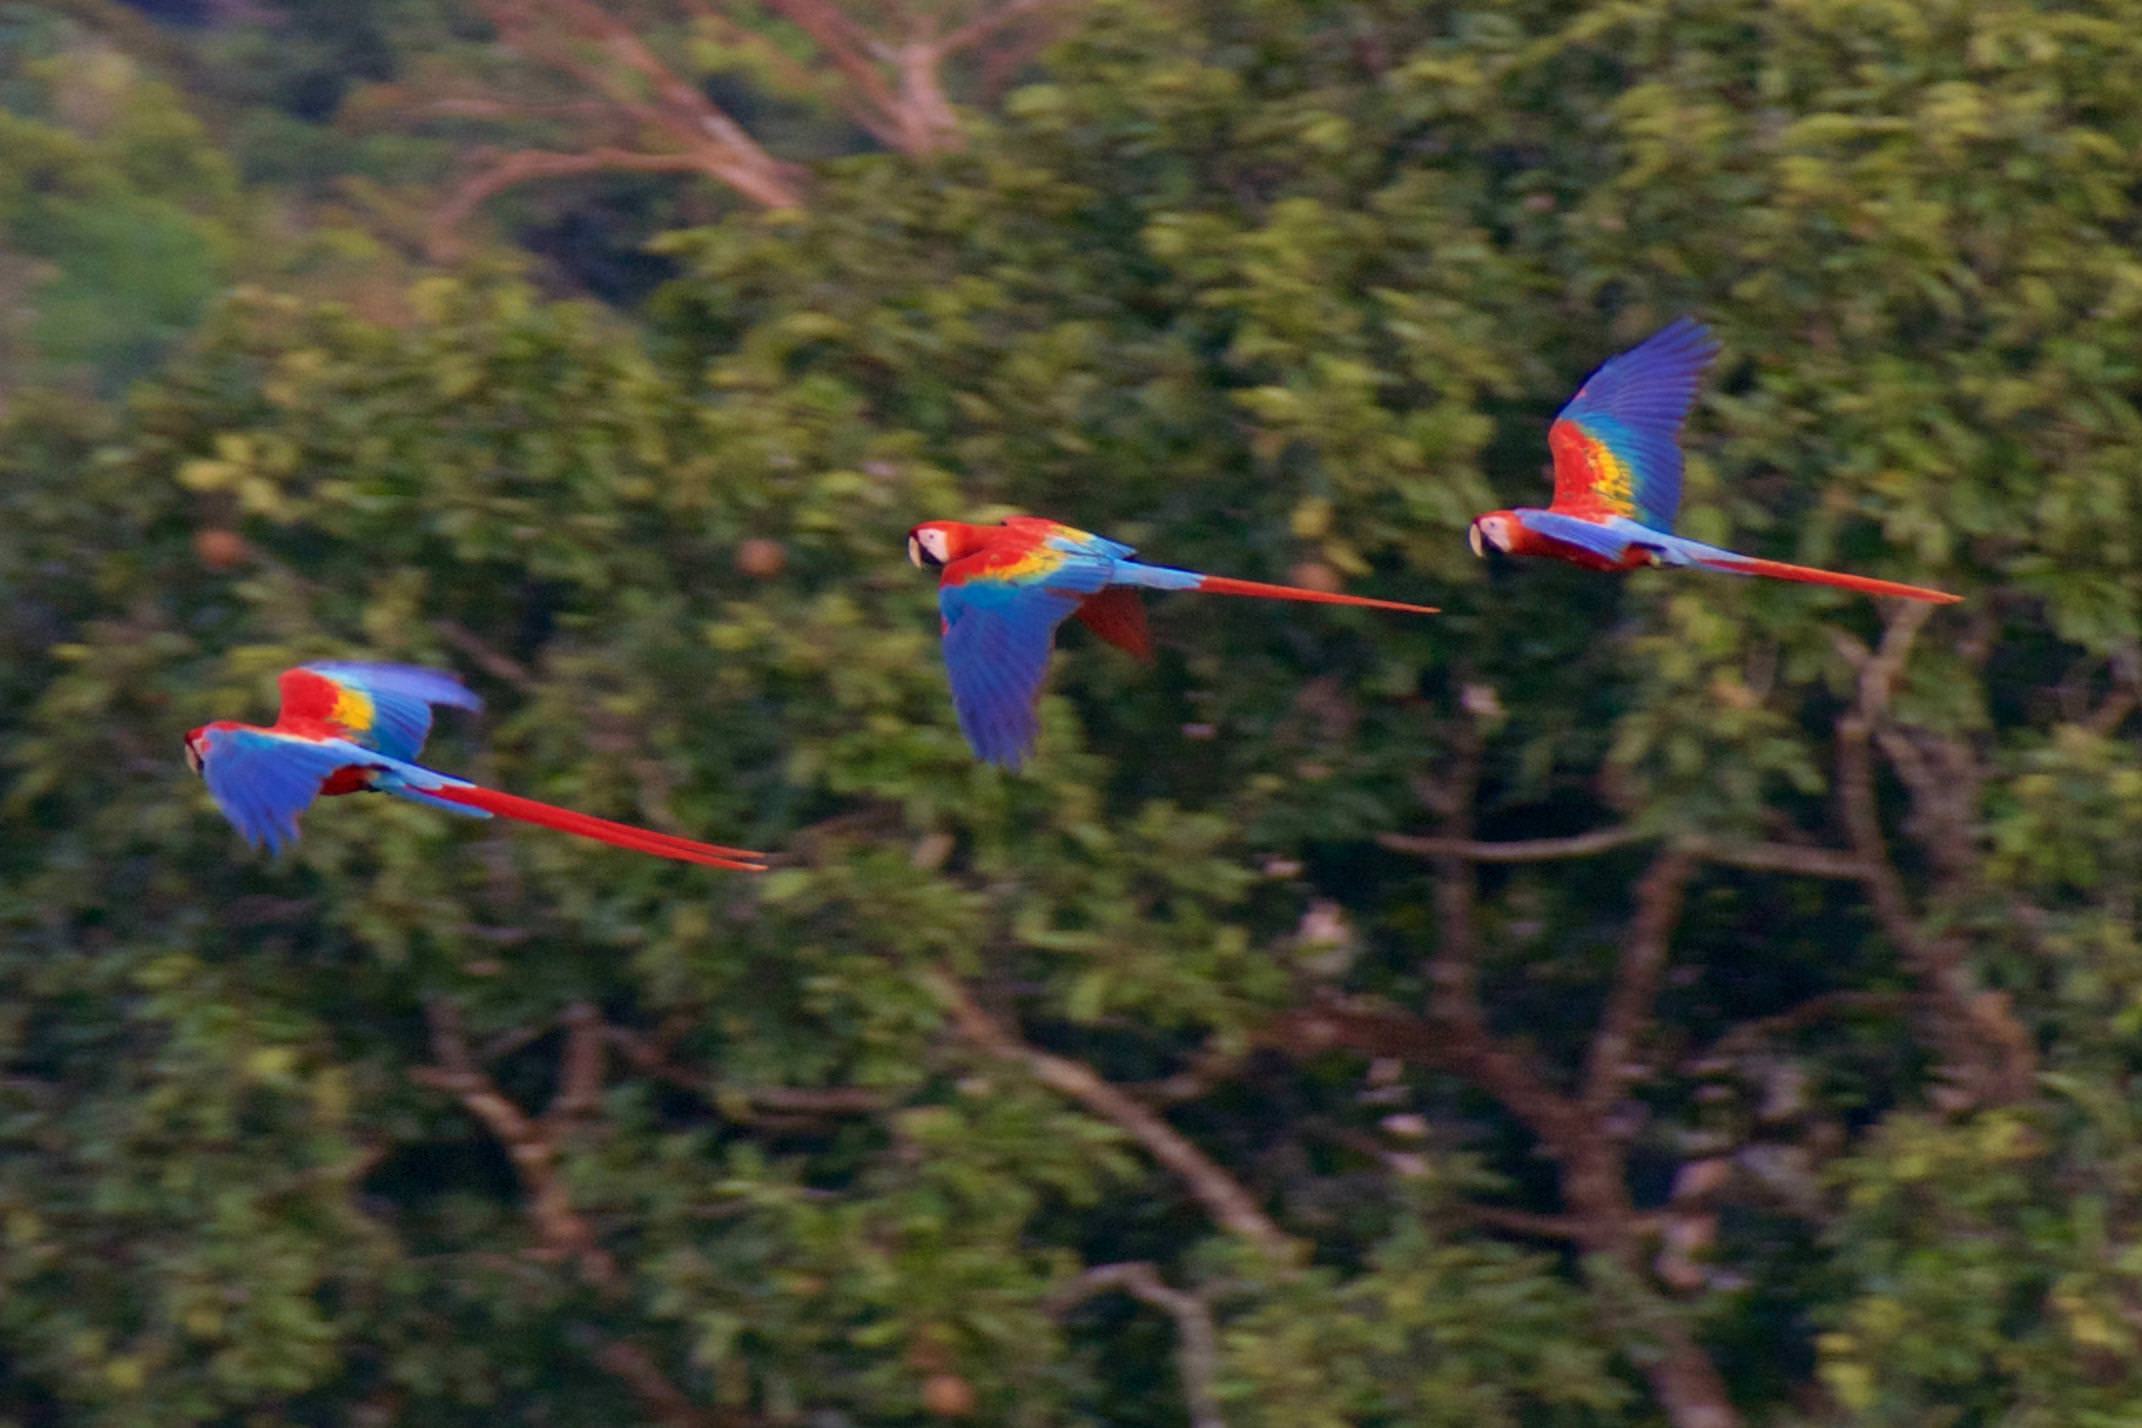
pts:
[386, 707]
[1634, 407]
[263, 780]
[997, 642]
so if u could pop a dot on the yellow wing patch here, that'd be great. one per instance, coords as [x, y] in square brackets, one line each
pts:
[1612, 480]
[353, 709]
[1029, 565]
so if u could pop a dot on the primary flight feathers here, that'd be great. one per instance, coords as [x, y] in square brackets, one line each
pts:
[1004, 590]
[355, 728]
[1617, 476]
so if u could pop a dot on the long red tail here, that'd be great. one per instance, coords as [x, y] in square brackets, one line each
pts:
[1222, 585]
[1808, 575]
[602, 830]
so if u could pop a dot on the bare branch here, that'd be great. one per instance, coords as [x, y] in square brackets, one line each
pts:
[557, 32]
[649, 1057]
[1197, 1343]
[1368, 1028]
[1458, 1034]
[864, 98]
[484, 106]
[1983, 1048]
[1525, 850]
[492, 661]
[1744, 1038]
[830, 27]
[1592, 1168]
[1229, 1203]
[1536, 1225]
[580, 1066]
[989, 22]
[560, 1229]
[1795, 858]
[1610, 1065]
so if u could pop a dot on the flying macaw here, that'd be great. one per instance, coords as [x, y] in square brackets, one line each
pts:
[1005, 589]
[354, 728]
[1617, 476]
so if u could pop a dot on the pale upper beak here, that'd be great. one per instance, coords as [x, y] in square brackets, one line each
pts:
[914, 552]
[193, 758]
[1479, 542]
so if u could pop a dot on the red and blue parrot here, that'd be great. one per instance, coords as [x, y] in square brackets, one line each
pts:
[354, 728]
[1617, 476]
[1004, 590]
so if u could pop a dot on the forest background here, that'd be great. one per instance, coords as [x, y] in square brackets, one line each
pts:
[1615, 1002]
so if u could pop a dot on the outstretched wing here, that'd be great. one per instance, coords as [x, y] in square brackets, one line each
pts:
[998, 634]
[386, 707]
[1616, 446]
[263, 780]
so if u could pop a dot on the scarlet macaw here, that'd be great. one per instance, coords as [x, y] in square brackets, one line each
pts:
[1006, 588]
[1617, 476]
[353, 728]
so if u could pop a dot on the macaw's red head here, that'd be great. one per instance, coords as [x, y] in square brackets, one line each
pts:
[196, 748]
[1496, 528]
[936, 544]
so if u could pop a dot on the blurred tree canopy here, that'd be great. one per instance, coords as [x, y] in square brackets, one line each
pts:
[1614, 1002]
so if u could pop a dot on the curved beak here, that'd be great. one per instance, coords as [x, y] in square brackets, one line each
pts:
[914, 552]
[1477, 541]
[193, 758]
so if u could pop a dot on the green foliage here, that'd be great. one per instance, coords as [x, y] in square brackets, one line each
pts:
[1275, 290]
[117, 215]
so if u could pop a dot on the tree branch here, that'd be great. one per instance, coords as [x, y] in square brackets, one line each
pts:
[561, 1230]
[494, 662]
[1222, 1195]
[1611, 1063]
[580, 1067]
[1530, 1223]
[1799, 859]
[714, 143]
[989, 22]
[1458, 1027]
[1197, 1343]
[1371, 1029]
[1744, 1037]
[1591, 1165]
[851, 49]
[485, 106]
[1524, 850]
[649, 1057]
[1985, 1052]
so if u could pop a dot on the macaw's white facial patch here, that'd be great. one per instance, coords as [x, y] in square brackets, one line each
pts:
[926, 547]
